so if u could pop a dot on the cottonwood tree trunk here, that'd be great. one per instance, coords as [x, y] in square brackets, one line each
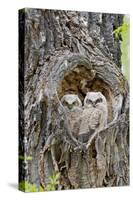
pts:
[62, 52]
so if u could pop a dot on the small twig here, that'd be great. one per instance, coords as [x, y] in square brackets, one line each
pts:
[48, 144]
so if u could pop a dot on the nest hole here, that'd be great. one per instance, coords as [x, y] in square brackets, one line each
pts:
[81, 80]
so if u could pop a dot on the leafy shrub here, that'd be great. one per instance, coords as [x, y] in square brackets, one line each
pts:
[54, 181]
[28, 187]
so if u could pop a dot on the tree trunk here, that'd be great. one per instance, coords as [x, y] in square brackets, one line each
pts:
[64, 52]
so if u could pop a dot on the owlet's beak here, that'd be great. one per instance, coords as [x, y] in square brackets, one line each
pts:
[70, 106]
[94, 104]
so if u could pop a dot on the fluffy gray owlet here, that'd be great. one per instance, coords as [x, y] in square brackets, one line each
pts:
[73, 108]
[94, 116]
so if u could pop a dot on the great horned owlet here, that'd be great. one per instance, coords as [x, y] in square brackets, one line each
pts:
[73, 108]
[94, 115]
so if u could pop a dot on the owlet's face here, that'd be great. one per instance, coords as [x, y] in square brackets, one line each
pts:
[71, 102]
[94, 99]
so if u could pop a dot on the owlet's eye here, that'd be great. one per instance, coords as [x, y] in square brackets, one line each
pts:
[99, 100]
[88, 101]
[75, 103]
[65, 103]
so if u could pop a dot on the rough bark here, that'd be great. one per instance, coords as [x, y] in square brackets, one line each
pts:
[60, 50]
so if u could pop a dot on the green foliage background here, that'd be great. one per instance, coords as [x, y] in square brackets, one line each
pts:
[124, 31]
